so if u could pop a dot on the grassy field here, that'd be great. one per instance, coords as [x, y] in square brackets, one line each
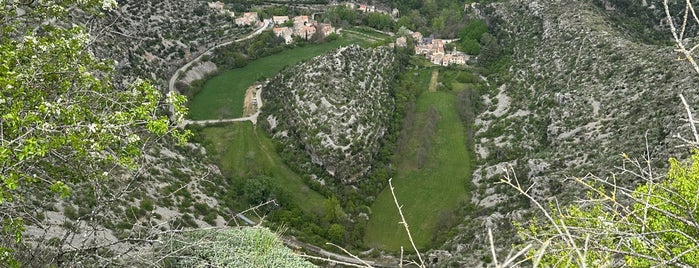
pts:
[241, 149]
[223, 95]
[438, 187]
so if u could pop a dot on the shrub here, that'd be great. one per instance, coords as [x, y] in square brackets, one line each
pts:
[651, 225]
[70, 212]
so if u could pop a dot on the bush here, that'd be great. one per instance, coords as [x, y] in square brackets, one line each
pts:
[651, 225]
[70, 212]
[147, 204]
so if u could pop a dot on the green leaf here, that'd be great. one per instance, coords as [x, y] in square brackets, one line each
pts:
[60, 188]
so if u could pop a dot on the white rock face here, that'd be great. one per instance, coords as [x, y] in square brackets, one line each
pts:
[199, 72]
[337, 105]
[582, 90]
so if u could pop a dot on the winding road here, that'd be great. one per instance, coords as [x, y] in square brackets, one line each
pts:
[173, 78]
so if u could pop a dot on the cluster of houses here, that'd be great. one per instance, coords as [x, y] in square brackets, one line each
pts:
[303, 27]
[433, 50]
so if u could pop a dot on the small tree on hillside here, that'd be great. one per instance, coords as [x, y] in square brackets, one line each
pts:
[64, 127]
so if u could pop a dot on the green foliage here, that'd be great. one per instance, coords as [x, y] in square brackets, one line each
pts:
[379, 21]
[443, 18]
[11, 228]
[490, 50]
[147, 204]
[63, 122]
[70, 212]
[342, 16]
[473, 30]
[333, 210]
[235, 247]
[671, 205]
[470, 46]
[332, 37]
[241, 151]
[656, 229]
[336, 233]
[471, 35]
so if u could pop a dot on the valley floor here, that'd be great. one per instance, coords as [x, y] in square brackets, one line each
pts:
[431, 191]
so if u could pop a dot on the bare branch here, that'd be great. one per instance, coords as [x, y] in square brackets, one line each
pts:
[405, 223]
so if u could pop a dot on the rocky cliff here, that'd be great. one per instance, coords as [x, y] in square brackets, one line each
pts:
[577, 92]
[151, 39]
[333, 109]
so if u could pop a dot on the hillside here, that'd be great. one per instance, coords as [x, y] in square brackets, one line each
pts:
[96, 175]
[151, 39]
[576, 93]
[333, 109]
[120, 194]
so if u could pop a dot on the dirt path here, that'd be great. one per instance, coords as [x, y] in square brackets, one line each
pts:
[255, 113]
[250, 103]
[433, 81]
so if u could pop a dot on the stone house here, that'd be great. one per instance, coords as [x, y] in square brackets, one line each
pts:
[284, 32]
[325, 29]
[300, 21]
[401, 41]
[248, 18]
[305, 32]
[278, 20]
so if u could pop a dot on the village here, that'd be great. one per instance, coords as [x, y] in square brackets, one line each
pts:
[434, 50]
[305, 27]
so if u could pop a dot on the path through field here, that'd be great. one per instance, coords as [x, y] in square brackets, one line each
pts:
[433, 80]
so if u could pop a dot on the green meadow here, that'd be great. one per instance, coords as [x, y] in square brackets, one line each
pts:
[240, 149]
[222, 96]
[425, 190]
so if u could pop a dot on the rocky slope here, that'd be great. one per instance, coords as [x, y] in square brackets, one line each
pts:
[151, 39]
[333, 109]
[577, 94]
[176, 186]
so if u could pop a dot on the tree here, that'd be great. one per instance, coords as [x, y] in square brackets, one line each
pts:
[490, 50]
[333, 210]
[336, 233]
[470, 46]
[473, 30]
[64, 124]
[379, 21]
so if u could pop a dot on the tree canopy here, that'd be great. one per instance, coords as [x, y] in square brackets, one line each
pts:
[63, 121]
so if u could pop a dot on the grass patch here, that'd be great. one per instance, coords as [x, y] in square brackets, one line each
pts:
[369, 31]
[439, 187]
[240, 149]
[223, 95]
[433, 81]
